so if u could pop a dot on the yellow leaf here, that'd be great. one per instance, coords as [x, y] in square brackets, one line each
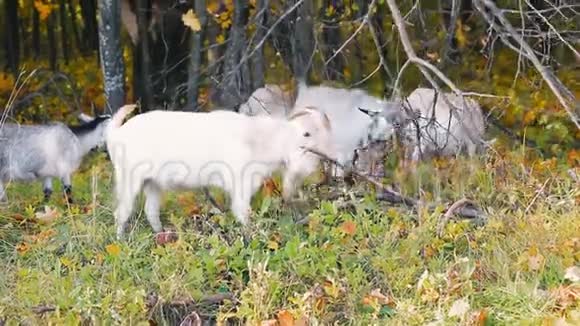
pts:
[43, 9]
[460, 35]
[285, 318]
[225, 24]
[66, 262]
[190, 20]
[220, 39]
[346, 73]
[113, 249]
[273, 245]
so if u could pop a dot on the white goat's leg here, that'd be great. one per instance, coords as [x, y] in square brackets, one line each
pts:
[3, 198]
[47, 188]
[289, 185]
[152, 206]
[125, 200]
[241, 208]
[67, 188]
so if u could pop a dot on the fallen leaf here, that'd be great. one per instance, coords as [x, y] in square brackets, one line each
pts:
[348, 227]
[535, 262]
[285, 318]
[566, 296]
[164, 237]
[381, 298]
[113, 249]
[479, 318]
[459, 308]
[190, 20]
[48, 216]
[22, 248]
[572, 274]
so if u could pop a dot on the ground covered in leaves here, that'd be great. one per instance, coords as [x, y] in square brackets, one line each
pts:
[352, 260]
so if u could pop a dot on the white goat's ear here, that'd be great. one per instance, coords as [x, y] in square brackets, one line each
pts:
[85, 117]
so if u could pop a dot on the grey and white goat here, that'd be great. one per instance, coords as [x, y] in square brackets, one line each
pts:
[358, 119]
[270, 100]
[31, 152]
[442, 124]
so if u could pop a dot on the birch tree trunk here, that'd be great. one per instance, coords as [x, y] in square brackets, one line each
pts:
[111, 52]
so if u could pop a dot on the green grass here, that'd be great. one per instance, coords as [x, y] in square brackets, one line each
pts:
[510, 270]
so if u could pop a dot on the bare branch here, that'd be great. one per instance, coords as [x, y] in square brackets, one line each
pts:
[564, 95]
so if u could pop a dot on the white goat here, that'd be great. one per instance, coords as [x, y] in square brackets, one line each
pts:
[357, 117]
[219, 148]
[268, 100]
[430, 126]
[30, 152]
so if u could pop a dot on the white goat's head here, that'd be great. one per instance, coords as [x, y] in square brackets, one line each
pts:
[315, 130]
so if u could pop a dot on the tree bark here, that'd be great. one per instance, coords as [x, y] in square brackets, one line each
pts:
[11, 35]
[63, 31]
[331, 39]
[303, 40]
[258, 61]
[90, 32]
[234, 86]
[74, 25]
[35, 33]
[449, 54]
[142, 75]
[111, 52]
[52, 52]
[194, 77]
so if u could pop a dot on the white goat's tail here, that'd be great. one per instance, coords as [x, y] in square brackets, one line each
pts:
[119, 117]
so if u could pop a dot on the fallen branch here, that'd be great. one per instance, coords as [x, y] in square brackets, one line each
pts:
[388, 194]
[42, 309]
[451, 212]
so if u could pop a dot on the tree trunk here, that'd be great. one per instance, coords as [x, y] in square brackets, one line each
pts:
[303, 40]
[73, 22]
[234, 85]
[258, 61]
[90, 32]
[331, 39]
[111, 52]
[450, 55]
[63, 31]
[52, 52]
[359, 73]
[142, 75]
[194, 76]
[35, 34]
[378, 23]
[11, 35]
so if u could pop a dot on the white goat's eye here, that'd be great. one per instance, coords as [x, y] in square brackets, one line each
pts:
[307, 134]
